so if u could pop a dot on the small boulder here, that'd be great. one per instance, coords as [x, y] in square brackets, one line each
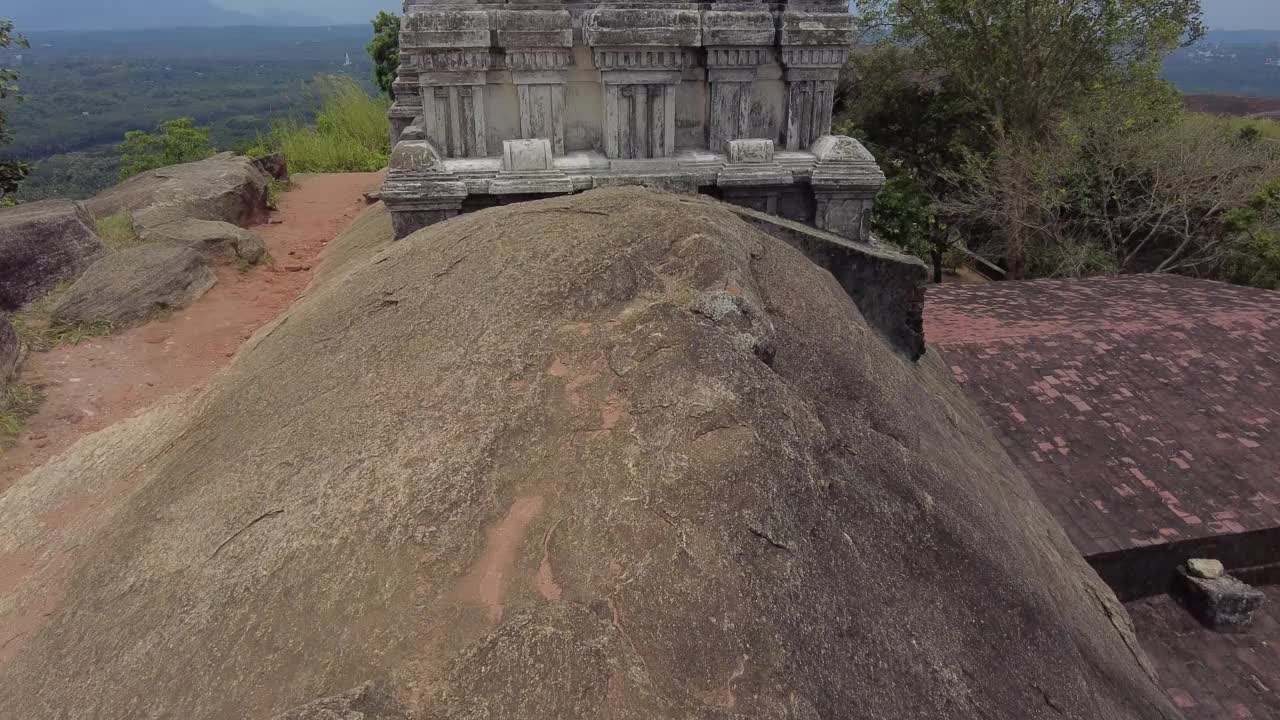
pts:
[274, 166]
[134, 285]
[10, 349]
[215, 239]
[1207, 569]
[226, 187]
[1223, 603]
[41, 245]
[367, 702]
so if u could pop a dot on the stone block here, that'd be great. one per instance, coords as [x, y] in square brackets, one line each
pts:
[445, 28]
[755, 27]
[813, 28]
[650, 27]
[1206, 569]
[527, 155]
[754, 150]
[417, 156]
[1223, 603]
[518, 29]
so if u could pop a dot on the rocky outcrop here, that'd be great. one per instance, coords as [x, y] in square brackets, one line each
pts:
[274, 166]
[10, 351]
[135, 285]
[41, 245]
[613, 455]
[215, 239]
[227, 188]
[367, 702]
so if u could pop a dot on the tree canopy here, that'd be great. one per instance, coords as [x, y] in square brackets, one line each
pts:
[176, 141]
[1024, 61]
[385, 50]
[11, 171]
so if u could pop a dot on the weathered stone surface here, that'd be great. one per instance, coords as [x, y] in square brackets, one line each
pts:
[214, 239]
[615, 455]
[41, 245]
[274, 166]
[134, 285]
[1206, 569]
[367, 702]
[227, 188]
[10, 351]
[1222, 603]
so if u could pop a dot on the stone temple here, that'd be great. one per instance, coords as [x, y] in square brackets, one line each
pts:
[499, 102]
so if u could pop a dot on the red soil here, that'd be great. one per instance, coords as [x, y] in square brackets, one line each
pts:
[103, 381]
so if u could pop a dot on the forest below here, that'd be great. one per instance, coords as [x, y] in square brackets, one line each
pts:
[83, 91]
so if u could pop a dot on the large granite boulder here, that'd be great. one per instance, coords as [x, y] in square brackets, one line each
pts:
[616, 455]
[226, 187]
[215, 239]
[135, 285]
[10, 350]
[41, 245]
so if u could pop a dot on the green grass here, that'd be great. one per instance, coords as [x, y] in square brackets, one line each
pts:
[350, 133]
[39, 333]
[1266, 128]
[18, 402]
[117, 231]
[275, 189]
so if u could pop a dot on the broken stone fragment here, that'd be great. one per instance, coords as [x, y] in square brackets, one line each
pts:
[1223, 603]
[1207, 569]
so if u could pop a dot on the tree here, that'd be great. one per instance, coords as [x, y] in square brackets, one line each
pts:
[918, 128]
[1025, 62]
[12, 172]
[1191, 196]
[385, 51]
[176, 141]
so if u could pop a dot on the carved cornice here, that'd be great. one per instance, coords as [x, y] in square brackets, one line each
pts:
[644, 58]
[539, 59]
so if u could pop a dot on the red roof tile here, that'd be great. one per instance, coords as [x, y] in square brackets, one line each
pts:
[1143, 408]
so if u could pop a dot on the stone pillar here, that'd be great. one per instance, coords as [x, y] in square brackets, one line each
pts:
[420, 190]
[539, 52]
[846, 180]
[752, 177]
[408, 97]
[738, 42]
[641, 55]
[814, 48]
[451, 48]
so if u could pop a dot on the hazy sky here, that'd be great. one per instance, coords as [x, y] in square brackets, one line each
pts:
[1221, 14]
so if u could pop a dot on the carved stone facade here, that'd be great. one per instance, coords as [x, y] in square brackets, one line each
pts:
[504, 101]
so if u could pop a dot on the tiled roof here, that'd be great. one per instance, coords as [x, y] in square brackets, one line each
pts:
[1143, 408]
[1209, 675]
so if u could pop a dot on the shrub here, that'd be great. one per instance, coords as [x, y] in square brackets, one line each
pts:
[175, 142]
[117, 231]
[350, 133]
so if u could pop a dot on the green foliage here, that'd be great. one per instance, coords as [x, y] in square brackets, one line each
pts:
[275, 189]
[1024, 63]
[1256, 257]
[385, 51]
[12, 172]
[18, 403]
[350, 133]
[118, 232]
[175, 142]
[39, 333]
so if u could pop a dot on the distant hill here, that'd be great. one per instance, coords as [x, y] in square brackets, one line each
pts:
[32, 15]
[1234, 105]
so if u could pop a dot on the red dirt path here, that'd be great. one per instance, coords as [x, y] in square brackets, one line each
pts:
[103, 381]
